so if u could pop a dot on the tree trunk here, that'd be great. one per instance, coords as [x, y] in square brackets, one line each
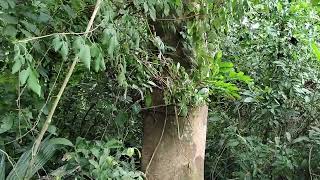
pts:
[171, 155]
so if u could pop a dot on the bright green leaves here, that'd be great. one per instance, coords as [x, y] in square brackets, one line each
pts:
[315, 50]
[60, 45]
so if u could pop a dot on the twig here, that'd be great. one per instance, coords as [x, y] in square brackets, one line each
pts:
[36, 145]
[158, 106]
[179, 18]
[53, 34]
[159, 142]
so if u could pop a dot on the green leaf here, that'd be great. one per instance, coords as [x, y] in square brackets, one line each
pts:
[85, 56]
[6, 123]
[300, 139]
[102, 63]
[52, 130]
[24, 74]
[64, 51]
[94, 50]
[78, 43]
[57, 43]
[4, 4]
[31, 27]
[94, 163]
[99, 62]
[166, 9]
[130, 152]
[43, 17]
[6, 18]
[22, 168]
[248, 99]
[315, 49]
[17, 65]
[61, 141]
[112, 45]
[33, 83]
[10, 31]
[12, 3]
[29, 57]
[145, 7]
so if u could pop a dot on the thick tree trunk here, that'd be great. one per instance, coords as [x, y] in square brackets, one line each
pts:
[171, 155]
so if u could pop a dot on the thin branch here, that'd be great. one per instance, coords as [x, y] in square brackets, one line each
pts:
[53, 34]
[158, 106]
[179, 18]
[36, 145]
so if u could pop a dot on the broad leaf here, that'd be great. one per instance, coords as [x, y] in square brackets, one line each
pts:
[24, 74]
[33, 83]
[85, 56]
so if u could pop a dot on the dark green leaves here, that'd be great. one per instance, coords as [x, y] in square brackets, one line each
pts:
[60, 45]
[6, 123]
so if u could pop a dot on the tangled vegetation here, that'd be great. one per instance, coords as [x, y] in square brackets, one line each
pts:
[76, 76]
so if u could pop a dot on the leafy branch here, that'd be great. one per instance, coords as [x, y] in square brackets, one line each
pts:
[36, 145]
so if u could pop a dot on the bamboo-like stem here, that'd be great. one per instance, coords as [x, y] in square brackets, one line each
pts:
[37, 143]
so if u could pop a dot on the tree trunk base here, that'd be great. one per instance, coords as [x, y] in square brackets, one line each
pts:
[174, 147]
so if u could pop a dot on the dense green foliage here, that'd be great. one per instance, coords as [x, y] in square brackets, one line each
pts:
[273, 132]
[255, 63]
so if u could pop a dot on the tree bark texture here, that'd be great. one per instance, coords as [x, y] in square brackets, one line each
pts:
[179, 155]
